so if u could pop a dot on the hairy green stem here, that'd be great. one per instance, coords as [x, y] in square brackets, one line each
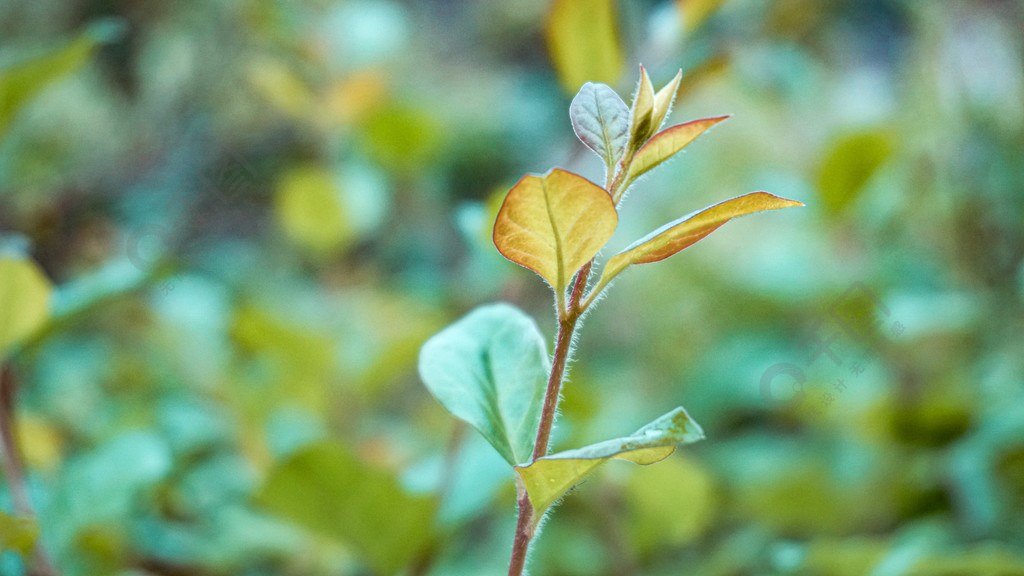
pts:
[568, 318]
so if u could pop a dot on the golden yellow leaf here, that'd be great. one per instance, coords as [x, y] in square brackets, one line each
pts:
[688, 230]
[554, 224]
[667, 143]
[583, 42]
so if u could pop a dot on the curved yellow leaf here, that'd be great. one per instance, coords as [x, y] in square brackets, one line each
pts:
[688, 230]
[667, 143]
[583, 42]
[554, 224]
[548, 478]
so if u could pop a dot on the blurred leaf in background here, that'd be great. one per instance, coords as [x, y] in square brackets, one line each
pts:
[583, 40]
[328, 490]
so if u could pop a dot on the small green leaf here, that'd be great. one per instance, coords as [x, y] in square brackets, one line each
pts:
[583, 42]
[548, 478]
[18, 534]
[848, 166]
[24, 301]
[601, 121]
[688, 230]
[490, 369]
[327, 490]
[554, 224]
[667, 143]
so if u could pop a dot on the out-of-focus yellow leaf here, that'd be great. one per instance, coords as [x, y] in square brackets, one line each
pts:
[669, 505]
[583, 41]
[40, 442]
[281, 87]
[667, 143]
[695, 12]
[18, 534]
[311, 209]
[548, 478]
[402, 138]
[849, 164]
[19, 83]
[327, 490]
[686, 231]
[24, 300]
[554, 224]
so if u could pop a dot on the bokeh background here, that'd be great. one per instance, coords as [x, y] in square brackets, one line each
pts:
[254, 213]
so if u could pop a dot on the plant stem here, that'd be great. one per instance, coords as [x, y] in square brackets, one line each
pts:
[14, 470]
[568, 318]
[524, 533]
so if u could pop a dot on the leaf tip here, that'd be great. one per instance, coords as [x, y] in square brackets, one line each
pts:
[781, 202]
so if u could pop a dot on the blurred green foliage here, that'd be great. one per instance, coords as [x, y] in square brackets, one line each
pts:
[254, 213]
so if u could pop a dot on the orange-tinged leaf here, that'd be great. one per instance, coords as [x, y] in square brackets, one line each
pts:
[688, 230]
[554, 224]
[583, 42]
[667, 143]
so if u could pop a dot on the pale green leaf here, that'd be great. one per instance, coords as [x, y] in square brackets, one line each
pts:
[327, 490]
[490, 369]
[24, 300]
[554, 224]
[548, 478]
[601, 121]
[583, 41]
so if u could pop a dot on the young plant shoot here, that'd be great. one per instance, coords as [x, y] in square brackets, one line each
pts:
[492, 368]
